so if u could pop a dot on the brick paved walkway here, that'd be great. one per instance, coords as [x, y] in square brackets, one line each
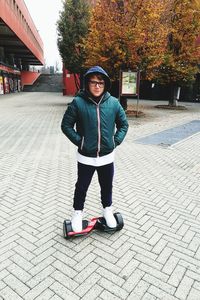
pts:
[157, 254]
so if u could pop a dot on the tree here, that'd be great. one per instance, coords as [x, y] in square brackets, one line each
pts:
[180, 63]
[126, 35]
[72, 26]
[157, 37]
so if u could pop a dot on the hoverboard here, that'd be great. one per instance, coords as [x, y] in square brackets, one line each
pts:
[92, 224]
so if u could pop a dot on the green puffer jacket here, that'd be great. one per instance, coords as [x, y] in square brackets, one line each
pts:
[100, 127]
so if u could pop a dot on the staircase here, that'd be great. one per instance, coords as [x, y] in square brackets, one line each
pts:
[46, 83]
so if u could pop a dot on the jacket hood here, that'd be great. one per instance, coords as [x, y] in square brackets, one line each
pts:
[97, 70]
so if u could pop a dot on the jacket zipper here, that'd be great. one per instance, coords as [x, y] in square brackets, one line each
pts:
[98, 125]
[114, 141]
[99, 130]
[82, 142]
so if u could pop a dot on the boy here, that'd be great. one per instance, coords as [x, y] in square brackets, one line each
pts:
[101, 126]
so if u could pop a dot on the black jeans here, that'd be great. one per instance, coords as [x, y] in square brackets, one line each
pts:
[85, 174]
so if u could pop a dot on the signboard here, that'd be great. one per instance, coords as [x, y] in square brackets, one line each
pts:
[129, 83]
[19, 85]
[9, 70]
[1, 86]
[6, 85]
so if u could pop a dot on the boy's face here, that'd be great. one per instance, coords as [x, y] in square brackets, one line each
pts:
[96, 86]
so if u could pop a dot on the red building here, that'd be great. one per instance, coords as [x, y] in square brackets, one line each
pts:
[20, 46]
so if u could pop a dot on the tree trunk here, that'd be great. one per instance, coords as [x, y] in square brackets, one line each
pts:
[123, 102]
[175, 93]
[77, 81]
[81, 80]
[115, 89]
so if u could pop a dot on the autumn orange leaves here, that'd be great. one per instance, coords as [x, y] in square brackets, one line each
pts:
[158, 37]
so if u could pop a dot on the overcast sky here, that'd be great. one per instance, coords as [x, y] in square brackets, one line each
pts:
[45, 14]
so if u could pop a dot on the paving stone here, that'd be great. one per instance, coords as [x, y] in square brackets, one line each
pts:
[155, 256]
[160, 294]
[39, 289]
[93, 293]
[139, 290]
[170, 264]
[47, 294]
[86, 272]
[16, 285]
[64, 268]
[113, 288]
[193, 295]
[184, 288]
[159, 283]
[64, 280]
[19, 273]
[87, 284]
[133, 280]
[40, 276]
[106, 295]
[8, 294]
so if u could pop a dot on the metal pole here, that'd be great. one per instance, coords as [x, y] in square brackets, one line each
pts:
[137, 108]
[138, 93]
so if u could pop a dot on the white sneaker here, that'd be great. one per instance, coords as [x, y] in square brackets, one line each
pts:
[76, 221]
[109, 217]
